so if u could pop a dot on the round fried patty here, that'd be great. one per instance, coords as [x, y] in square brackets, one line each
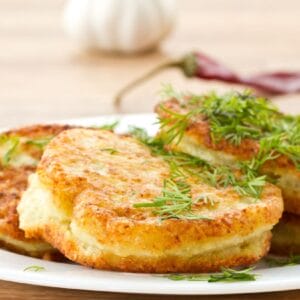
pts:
[81, 200]
[13, 182]
[197, 141]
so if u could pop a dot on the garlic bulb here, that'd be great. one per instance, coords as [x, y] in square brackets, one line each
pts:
[119, 25]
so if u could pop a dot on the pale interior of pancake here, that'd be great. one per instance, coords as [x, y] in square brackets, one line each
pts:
[30, 246]
[37, 209]
[288, 180]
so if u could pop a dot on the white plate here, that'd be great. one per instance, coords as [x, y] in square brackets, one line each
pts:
[77, 277]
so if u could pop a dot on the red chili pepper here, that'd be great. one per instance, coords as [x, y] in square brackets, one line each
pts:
[274, 83]
[201, 66]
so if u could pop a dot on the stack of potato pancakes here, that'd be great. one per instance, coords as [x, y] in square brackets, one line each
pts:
[203, 194]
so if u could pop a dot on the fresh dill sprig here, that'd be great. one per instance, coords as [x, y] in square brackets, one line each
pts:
[175, 159]
[227, 275]
[283, 261]
[3, 138]
[11, 143]
[175, 202]
[235, 117]
[248, 183]
[110, 150]
[34, 268]
[110, 126]
[168, 92]
[173, 127]
[12, 146]
[141, 135]
[41, 143]
[288, 139]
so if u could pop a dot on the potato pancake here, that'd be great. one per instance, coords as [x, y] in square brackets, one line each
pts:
[240, 131]
[20, 152]
[197, 140]
[111, 202]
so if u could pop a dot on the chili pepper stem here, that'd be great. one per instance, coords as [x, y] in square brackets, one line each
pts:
[201, 66]
[121, 93]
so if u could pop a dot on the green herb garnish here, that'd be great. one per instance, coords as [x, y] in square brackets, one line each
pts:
[110, 150]
[175, 159]
[34, 268]
[41, 143]
[235, 117]
[175, 202]
[283, 261]
[246, 182]
[12, 144]
[174, 126]
[111, 126]
[227, 275]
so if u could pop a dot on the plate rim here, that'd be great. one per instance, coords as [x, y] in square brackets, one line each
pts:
[50, 278]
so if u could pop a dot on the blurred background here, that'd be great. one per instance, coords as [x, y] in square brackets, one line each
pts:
[46, 75]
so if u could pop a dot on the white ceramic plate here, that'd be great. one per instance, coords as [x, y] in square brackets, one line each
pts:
[77, 277]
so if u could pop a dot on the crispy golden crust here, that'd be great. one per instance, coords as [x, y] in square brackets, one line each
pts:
[82, 203]
[244, 254]
[286, 235]
[13, 182]
[197, 141]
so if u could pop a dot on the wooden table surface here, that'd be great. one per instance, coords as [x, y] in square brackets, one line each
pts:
[44, 76]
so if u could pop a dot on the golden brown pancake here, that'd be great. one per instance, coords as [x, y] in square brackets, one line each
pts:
[28, 144]
[197, 141]
[83, 197]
